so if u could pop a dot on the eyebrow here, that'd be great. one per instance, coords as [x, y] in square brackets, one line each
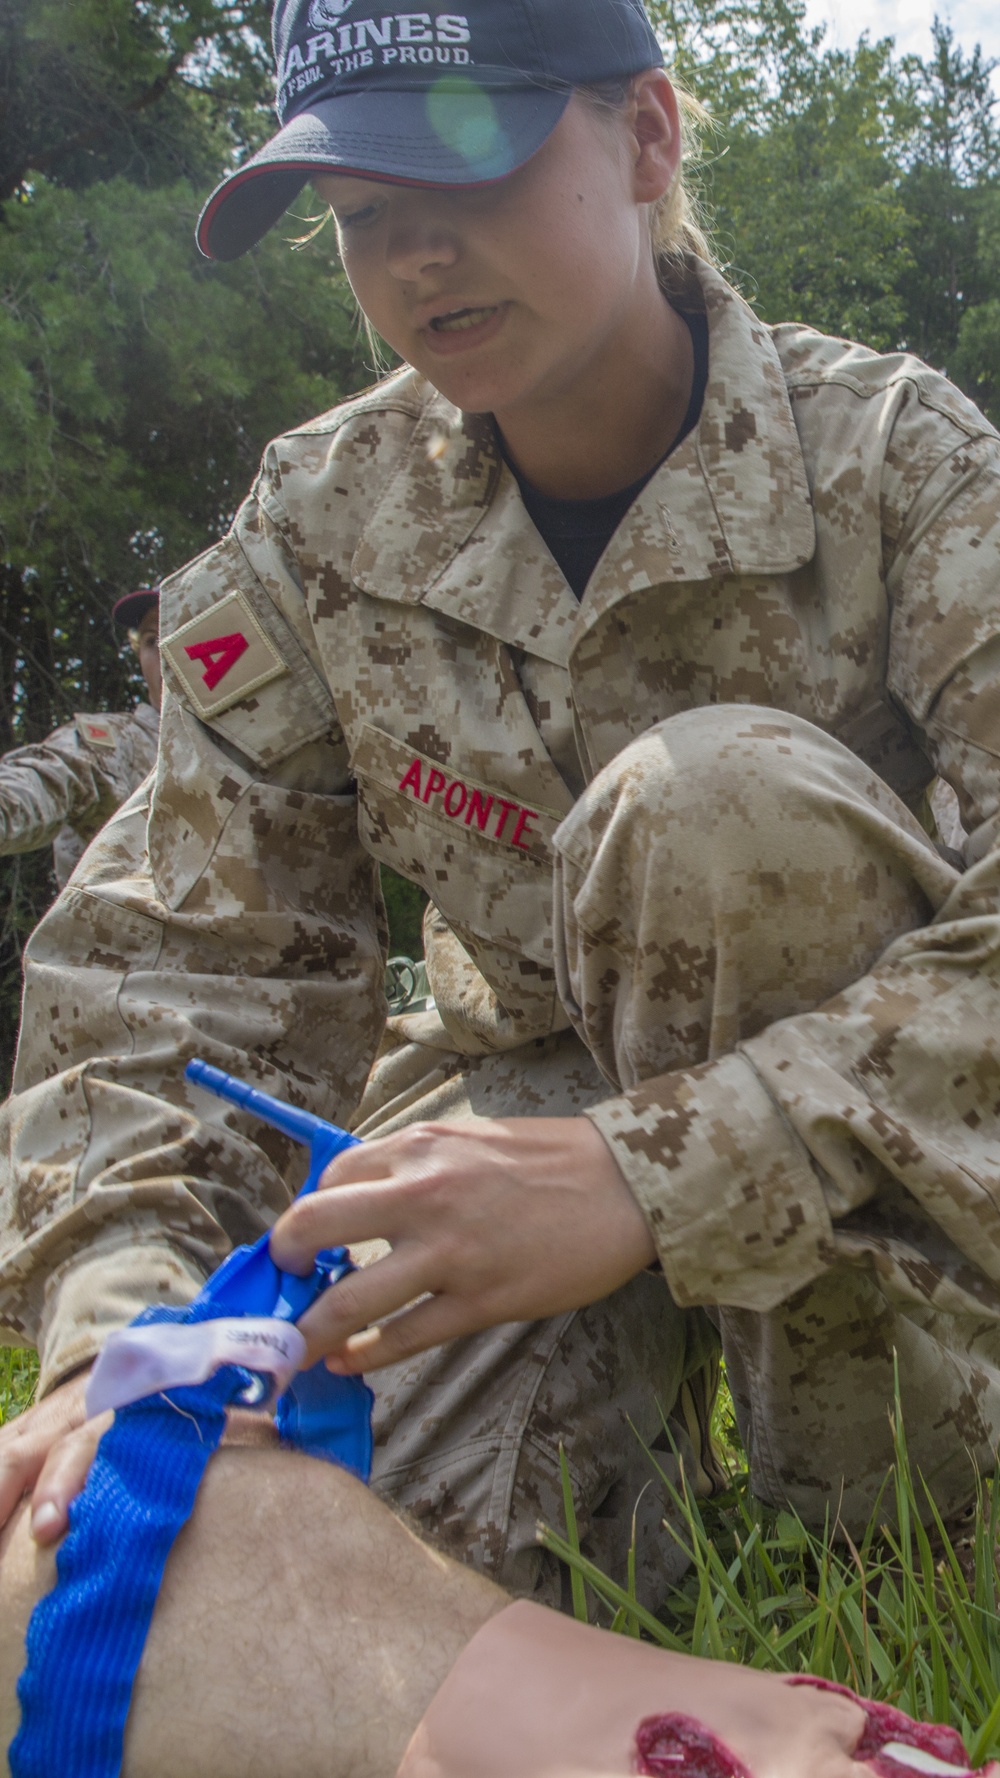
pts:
[349, 183]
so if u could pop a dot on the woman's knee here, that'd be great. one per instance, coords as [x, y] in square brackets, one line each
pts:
[727, 766]
[733, 866]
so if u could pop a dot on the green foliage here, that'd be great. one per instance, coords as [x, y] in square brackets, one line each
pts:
[18, 1376]
[404, 907]
[154, 89]
[854, 191]
[806, 264]
[952, 195]
[801, 162]
[976, 362]
[908, 1616]
[138, 384]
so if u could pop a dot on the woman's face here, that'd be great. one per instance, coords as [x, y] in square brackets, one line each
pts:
[504, 296]
[147, 647]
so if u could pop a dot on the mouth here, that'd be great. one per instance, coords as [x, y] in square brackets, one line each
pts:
[463, 320]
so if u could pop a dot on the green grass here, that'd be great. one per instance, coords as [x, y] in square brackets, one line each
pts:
[909, 1616]
[18, 1376]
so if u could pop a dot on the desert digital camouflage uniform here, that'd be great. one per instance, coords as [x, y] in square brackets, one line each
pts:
[678, 885]
[64, 788]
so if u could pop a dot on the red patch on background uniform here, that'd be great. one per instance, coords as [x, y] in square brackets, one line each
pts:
[220, 655]
[96, 733]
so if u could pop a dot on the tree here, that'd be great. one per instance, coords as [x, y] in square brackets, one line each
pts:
[952, 197]
[853, 190]
[812, 205]
[151, 89]
[800, 162]
[138, 383]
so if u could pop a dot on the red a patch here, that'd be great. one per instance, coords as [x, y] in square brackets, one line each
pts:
[220, 654]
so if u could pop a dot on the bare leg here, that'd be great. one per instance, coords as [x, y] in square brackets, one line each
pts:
[301, 1631]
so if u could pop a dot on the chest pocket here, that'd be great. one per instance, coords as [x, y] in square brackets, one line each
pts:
[482, 852]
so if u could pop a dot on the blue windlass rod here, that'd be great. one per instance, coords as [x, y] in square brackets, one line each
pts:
[324, 1140]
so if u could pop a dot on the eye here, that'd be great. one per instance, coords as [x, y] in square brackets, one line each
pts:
[360, 218]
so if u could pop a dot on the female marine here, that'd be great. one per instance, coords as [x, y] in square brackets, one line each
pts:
[633, 631]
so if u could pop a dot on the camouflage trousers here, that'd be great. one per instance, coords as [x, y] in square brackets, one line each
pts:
[781, 868]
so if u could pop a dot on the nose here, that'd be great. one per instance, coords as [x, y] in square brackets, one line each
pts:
[420, 241]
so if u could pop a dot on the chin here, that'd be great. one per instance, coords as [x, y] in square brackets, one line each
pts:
[471, 393]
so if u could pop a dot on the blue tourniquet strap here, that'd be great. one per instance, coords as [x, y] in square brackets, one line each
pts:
[85, 1640]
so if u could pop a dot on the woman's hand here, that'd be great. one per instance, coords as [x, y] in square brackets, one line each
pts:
[489, 1220]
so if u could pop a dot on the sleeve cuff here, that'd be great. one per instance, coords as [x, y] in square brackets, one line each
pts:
[731, 1196]
[103, 1290]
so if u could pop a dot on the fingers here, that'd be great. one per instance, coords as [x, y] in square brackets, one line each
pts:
[432, 1322]
[352, 1213]
[367, 1160]
[515, 1219]
[19, 1465]
[26, 1442]
[358, 1199]
[363, 1297]
[63, 1476]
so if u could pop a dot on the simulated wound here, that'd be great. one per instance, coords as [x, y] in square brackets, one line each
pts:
[680, 1747]
[890, 1736]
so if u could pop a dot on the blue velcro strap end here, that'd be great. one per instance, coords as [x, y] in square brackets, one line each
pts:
[328, 1416]
[86, 1638]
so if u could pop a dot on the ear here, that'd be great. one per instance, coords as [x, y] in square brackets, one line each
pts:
[655, 126]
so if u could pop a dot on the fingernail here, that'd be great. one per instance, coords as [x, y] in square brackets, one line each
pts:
[336, 1367]
[45, 1518]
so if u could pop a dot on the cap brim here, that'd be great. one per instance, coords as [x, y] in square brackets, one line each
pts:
[131, 608]
[463, 137]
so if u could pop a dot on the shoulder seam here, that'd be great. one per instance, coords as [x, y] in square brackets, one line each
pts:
[844, 380]
[380, 399]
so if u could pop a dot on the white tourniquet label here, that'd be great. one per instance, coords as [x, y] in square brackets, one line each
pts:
[919, 1761]
[140, 1361]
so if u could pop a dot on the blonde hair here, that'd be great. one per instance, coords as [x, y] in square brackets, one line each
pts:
[678, 225]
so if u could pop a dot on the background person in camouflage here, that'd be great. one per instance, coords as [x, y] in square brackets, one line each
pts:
[633, 630]
[63, 789]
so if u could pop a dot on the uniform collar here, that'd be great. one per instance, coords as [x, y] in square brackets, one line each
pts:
[147, 718]
[450, 530]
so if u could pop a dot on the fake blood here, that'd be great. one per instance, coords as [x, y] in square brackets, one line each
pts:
[679, 1747]
[884, 1725]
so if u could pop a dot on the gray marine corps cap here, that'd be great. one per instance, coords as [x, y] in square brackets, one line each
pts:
[420, 98]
